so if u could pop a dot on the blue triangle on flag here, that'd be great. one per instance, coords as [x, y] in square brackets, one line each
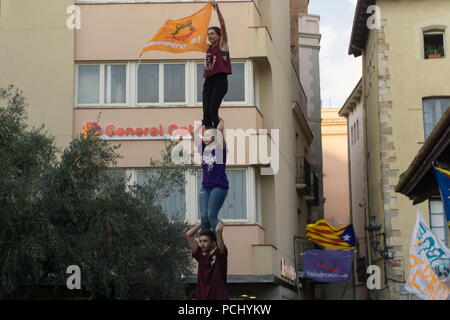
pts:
[349, 235]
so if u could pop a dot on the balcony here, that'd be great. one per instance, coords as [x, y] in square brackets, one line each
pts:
[312, 196]
[303, 176]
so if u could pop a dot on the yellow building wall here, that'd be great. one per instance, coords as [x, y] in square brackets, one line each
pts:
[397, 78]
[37, 57]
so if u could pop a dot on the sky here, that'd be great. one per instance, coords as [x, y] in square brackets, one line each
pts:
[339, 72]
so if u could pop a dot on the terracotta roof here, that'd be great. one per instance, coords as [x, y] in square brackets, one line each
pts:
[360, 30]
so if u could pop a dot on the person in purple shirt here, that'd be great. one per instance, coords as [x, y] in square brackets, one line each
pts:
[213, 150]
[216, 71]
[212, 258]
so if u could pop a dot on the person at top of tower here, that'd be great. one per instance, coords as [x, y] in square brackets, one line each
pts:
[217, 69]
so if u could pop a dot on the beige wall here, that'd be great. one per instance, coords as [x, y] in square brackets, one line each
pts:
[276, 85]
[137, 154]
[120, 31]
[36, 56]
[398, 81]
[280, 204]
[335, 168]
[358, 192]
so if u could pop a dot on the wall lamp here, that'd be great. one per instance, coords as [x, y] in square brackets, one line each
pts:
[375, 235]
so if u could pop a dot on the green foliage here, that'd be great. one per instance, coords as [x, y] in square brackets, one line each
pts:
[438, 49]
[76, 209]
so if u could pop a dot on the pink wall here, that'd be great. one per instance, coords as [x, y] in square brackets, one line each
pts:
[120, 31]
[137, 154]
[335, 168]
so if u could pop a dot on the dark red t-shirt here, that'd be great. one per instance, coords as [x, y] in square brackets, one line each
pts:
[214, 63]
[212, 275]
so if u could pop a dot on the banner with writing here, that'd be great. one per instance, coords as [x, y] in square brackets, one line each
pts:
[182, 35]
[327, 266]
[429, 264]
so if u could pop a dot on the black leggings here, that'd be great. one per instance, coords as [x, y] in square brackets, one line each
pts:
[214, 89]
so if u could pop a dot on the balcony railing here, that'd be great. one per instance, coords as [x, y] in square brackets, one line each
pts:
[303, 176]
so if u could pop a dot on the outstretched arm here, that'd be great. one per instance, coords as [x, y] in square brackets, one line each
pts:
[224, 40]
[192, 243]
[219, 232]
[197, 136]
[220, 128]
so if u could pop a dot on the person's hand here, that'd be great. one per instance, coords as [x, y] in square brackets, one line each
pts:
[219, 227]
[221, 124]
[215, 5]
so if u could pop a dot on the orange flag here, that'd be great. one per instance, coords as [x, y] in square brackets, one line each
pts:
[182, 35]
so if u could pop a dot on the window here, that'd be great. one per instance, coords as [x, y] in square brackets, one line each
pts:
[174, 83]
[148, 83]
[156, 84]
[174, 204]
[352, 134]
[357, 129]
[235, 205]
[236, 83]
[89, 84]
[433, 43]
[242, 205]
[115, 83]
[160, 84]
[432, 112]
[437, 220]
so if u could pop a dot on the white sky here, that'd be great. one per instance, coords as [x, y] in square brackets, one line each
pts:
[339, 72]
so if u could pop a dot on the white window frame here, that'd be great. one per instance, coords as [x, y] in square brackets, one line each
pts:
[253, 195]
[102, 85]
[251, 207]
[190, 85]
[440, 215]
[434, 31]
[161, 102]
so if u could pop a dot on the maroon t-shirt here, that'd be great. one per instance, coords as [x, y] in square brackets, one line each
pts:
[214, 63]
[212, 275]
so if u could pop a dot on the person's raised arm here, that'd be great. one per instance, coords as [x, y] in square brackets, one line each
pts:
[197, 136]
[192, 243]
[219, 232]
[224, 39]
[220, 128]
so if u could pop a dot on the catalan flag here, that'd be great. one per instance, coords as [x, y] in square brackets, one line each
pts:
[443, 179]
[324, 234]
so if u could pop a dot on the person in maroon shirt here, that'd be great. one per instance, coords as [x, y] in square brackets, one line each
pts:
[212, 258]
[217, 69]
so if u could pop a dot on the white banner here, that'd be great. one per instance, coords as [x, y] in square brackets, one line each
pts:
[429, 264]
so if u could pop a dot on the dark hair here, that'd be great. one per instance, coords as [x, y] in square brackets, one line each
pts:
[217, 30]
[209, 234]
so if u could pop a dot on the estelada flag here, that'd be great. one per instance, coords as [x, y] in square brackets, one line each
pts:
[324, 234]
[182, 35]
[443, 179]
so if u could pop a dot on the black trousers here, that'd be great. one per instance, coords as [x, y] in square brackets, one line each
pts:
[214, 89]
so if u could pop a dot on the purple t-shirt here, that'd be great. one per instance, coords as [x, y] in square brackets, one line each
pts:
[213, 173]
[212, 275]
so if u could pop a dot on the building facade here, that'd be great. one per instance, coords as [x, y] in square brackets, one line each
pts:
[335, 168]
[353, 111]
[85, 68]
[404, 93]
